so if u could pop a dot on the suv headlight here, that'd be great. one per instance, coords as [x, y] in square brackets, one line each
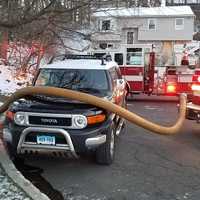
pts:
[80, 121]
[20, 118]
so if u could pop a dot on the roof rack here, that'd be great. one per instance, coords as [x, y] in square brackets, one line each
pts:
[74, 56]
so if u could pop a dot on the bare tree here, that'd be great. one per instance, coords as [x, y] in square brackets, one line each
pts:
[49, 22]
[44, 21]
[24, 15]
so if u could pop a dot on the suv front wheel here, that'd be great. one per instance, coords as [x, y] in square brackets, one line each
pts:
[106, 152]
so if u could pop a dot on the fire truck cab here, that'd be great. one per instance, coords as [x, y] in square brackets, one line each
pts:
[170, 83]
[178, 79]
[131, 60]
[138, 65]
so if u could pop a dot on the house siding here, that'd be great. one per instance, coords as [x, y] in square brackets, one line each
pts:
[164, 37]
[165, 30]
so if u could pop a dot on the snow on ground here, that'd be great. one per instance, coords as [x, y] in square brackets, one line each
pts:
[8, 82]
[8, 190]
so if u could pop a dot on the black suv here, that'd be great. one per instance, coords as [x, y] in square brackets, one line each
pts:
[63, 126]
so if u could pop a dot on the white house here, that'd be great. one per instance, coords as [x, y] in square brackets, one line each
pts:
[116, 29]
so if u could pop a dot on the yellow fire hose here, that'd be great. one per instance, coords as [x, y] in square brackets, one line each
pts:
[102, 103]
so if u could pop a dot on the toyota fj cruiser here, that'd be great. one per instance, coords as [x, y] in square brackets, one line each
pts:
[41, 123]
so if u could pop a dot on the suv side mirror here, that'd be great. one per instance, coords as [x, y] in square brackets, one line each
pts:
[121, 84]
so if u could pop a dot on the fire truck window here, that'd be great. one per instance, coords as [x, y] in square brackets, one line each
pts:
[119, 58]
[134, 56]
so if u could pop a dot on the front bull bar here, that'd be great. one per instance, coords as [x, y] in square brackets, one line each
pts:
[102, 103]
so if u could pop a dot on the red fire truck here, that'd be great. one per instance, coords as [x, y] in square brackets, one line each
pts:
[193, 105]
[138, 64]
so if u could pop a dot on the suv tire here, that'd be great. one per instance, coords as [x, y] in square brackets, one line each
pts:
[106, 152]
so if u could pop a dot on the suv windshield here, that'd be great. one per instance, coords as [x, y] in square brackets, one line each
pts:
[85, 80]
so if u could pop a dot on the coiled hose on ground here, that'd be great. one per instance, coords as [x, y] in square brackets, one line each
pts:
[102, 103]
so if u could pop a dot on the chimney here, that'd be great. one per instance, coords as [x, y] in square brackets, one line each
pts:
[163, 3]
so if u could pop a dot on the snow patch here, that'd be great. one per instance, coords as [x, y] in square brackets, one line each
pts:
[167, 11]
[9, 82]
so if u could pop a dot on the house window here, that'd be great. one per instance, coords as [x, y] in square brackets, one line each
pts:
[130, 37]
[152, 24]
[110, 46]
[179, 23]
[105, 46]
[105, 25]
[134, 56]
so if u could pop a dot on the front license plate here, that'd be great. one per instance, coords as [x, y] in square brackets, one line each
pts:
[47, 140]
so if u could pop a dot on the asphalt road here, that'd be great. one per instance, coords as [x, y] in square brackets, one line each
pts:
[147, 166]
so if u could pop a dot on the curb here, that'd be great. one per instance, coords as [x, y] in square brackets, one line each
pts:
[153, 98]
[11, 171]
[25, 185]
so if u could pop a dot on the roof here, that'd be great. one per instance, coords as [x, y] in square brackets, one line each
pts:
[164, 11]
[80, 64]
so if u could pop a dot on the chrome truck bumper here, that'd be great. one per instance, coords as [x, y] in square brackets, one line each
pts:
[193, 111]
[190, 105]
[24, 146]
